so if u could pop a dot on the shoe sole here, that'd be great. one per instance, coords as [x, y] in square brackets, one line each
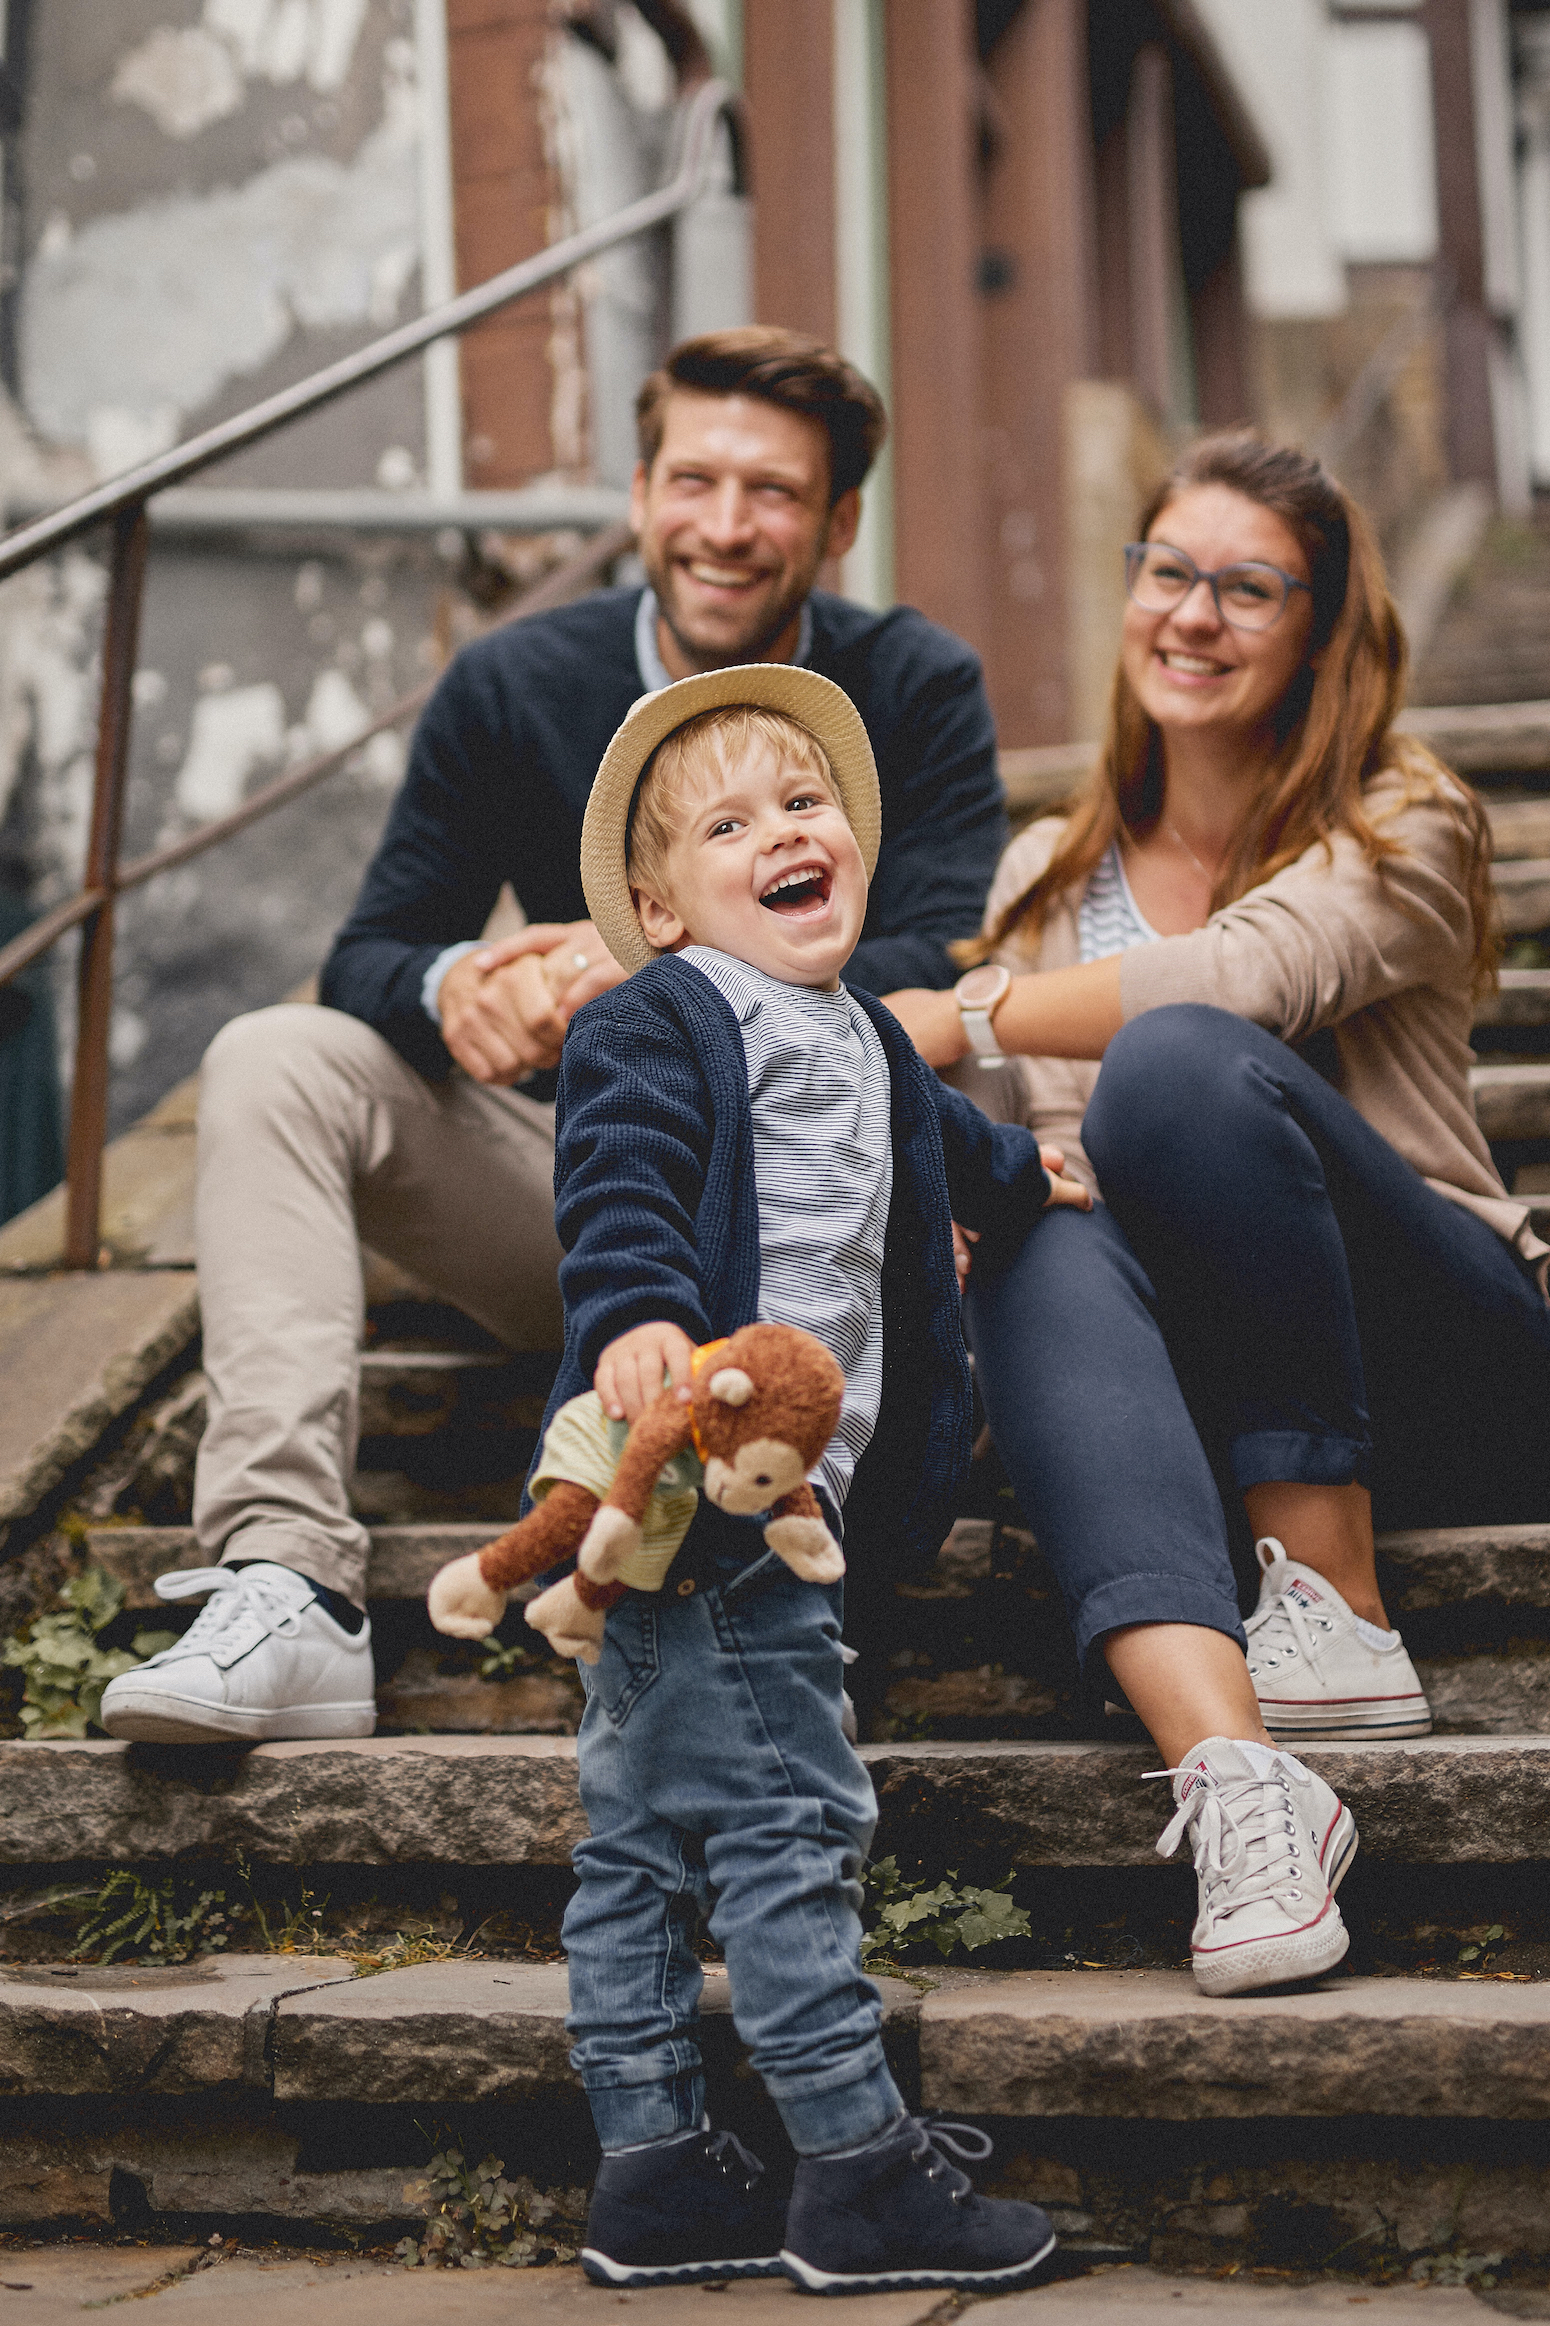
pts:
[1291, 1725]
[605, 2272]
[154, 1719]
[969, 2281]
[1283, 1962]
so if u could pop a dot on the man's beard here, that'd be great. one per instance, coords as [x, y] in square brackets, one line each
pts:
[750, 645]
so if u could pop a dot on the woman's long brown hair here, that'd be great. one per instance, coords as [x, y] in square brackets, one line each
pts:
[1333, 726]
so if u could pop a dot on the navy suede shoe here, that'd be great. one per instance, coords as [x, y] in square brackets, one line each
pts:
[682, 2211]
[900, 2214]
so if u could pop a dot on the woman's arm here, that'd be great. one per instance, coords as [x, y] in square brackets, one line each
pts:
[1052, 1013]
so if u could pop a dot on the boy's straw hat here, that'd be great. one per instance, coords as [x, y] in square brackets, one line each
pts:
[817, 704]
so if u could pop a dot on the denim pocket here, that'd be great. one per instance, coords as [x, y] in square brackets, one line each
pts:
[630, 1659]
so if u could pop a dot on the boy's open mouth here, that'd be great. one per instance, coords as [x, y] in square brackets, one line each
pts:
[799, 890]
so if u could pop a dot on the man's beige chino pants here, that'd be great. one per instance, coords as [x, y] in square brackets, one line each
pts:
[314, 1138]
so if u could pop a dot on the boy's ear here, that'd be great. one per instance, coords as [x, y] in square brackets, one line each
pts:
[661, 924]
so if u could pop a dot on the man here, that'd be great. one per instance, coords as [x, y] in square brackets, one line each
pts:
[394, 1115]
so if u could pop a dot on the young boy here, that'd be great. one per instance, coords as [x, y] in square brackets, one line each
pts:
[739, 1137]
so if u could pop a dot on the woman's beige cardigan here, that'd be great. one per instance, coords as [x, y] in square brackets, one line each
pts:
[1382, 955]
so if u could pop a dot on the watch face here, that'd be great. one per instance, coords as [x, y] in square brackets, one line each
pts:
[985, 984]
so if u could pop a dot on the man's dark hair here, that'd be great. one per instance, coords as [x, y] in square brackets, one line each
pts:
[779, 367]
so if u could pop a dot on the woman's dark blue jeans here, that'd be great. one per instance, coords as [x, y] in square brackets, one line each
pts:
[1268, 1291]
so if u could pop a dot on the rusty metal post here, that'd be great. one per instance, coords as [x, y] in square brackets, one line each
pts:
[89, 1095]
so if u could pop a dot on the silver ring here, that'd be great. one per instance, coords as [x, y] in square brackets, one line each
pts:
[582, 960]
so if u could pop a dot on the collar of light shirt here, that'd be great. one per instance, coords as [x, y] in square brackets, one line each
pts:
[654, 671]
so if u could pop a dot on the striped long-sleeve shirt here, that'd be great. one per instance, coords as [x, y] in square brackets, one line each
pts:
[818, 1092]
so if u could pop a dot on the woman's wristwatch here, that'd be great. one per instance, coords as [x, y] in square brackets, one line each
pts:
[978, 994]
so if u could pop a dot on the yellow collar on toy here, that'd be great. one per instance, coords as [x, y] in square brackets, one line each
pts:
[697, 1363]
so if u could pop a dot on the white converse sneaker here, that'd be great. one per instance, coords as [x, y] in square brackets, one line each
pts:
[263, 1659]
[1271, 1843]
[1313, 1671]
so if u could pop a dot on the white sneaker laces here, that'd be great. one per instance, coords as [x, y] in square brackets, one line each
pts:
[1244, 1841]
[244, 1608]
[1280, 1630]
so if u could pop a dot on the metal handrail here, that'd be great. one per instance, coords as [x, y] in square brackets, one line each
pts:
[122, 501]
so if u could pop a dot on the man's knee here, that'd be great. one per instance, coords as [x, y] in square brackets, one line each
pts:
[293, 1050]
[1169, 1077]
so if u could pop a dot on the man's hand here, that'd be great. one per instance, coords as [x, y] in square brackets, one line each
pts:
[504, 1009]
[631, 1369]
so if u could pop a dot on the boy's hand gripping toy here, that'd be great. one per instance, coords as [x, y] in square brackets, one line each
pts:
[763, 1405]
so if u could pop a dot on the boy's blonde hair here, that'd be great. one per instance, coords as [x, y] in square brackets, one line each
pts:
[706, 746]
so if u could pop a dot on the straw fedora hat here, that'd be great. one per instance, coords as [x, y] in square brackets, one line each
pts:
[817, 704]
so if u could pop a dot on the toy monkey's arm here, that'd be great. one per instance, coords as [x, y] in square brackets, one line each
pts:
[661, 1432]
[468, 1597]
[797, 1532]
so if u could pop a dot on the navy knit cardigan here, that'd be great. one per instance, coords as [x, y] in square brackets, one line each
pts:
[658, 1211]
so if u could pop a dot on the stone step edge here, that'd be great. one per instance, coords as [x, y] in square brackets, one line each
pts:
[1103, 2045]
[470, 1801]
[1433, 1567]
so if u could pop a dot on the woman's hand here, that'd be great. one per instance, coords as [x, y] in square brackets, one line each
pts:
[1070, 1192]
[631, 1370]
[933, 1023]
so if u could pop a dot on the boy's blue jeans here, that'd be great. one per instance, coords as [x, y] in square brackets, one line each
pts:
[717, 1783]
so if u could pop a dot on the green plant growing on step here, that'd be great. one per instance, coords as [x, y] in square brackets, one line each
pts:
[298, 1929]
[941, 1914]
[499, 1662]
[1482, 1951]
[157, 1922]
[480, 2219]
[63, 1666]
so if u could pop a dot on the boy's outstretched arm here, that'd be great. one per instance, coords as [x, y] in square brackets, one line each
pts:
[998, 1177]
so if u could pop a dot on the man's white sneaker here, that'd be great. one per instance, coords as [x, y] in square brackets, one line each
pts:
[263, 1659]
[1271, 1843]
[1314, 1671]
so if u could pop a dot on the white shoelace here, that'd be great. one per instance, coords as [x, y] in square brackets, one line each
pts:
[244, 1608]
[1279, 1630]
[1244, 1841]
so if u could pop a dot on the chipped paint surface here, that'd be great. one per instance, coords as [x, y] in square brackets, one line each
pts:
[140, 318]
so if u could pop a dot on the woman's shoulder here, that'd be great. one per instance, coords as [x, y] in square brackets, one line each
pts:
[1415, 800]
[1024, 861]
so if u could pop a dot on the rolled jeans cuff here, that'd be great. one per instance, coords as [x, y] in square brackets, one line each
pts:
[1300, 1458]
[1128, 1600]
[627, 2115]
[851, 2103]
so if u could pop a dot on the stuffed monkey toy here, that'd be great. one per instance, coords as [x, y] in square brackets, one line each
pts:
[762, 1406]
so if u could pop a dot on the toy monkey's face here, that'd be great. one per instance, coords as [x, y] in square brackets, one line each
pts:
[758, 1474]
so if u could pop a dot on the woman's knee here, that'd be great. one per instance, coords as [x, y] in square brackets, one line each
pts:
[1169, 1078]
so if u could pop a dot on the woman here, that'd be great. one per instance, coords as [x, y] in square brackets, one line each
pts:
[1305, 1285]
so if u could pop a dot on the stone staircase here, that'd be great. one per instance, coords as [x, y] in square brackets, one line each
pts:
[1395, 2115]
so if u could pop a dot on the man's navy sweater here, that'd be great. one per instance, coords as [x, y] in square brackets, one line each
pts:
[657, 1209]
[503, 761]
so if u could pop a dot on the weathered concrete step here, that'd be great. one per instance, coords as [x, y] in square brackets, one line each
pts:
[403, 1558]
[1523, 894]
[1522, 998]
[1435, 1567]
[481, 1801]
[307, 2029]
[1148, 2044]
[1512, 1102]
[75, 1354]
[1452, 1566]
[1097, 2044]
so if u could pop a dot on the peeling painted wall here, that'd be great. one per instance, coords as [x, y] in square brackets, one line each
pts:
[219, 196]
